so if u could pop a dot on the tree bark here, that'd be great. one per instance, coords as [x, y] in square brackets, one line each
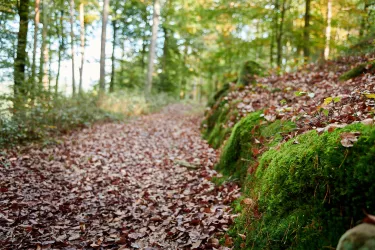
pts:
[72, 44]
[306, 32]
[20, 61]
[328, 30]
[60, 32]
[102, 49]
[151, 57]
[36, 28]
[113, 59]
[43, 71]
[279, 38]
[82, 25]
[144, 44]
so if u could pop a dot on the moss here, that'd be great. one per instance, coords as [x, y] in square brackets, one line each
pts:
[309, 193]
[357, 71]
[241, 150]
[248, 71]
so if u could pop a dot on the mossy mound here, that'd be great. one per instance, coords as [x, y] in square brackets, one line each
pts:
[249, 70]
[359, 70]
[307, 192]
[250, 137]
[214, 126]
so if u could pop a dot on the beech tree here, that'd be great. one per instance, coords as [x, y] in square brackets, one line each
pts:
[102, 48]
[151, 56]
[20, 61]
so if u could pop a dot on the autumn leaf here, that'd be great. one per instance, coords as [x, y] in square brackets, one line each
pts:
[349, 138]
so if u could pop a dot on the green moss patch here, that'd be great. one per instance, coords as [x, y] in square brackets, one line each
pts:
[307, 192]
[357, 71]
[250, 137]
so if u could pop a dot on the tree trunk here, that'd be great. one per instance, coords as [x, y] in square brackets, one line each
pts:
[144, 43]
[36, 28]
[306, 32]
[60, 32]
[113, 59]
[20, 61]
[102, 48]
[49, 66]
[43, 71]
[72, 44]
[151, 57]
[279, 38]
[165, 50]
[82, 24]
[275, 31]
[328, 30]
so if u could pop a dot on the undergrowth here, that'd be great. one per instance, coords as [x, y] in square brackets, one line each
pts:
[55, 115]
[52, 115]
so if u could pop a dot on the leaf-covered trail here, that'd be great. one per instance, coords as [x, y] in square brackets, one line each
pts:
[116, 186]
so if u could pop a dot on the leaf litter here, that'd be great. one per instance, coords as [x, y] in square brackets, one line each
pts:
[117, 186]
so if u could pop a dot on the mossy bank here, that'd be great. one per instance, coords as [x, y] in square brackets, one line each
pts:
[302, 194]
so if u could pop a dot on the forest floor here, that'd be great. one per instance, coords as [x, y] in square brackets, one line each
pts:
[145, 184]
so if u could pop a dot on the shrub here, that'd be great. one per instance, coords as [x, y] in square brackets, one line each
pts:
[50, 116]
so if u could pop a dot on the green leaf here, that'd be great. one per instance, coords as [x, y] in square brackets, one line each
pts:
[336, 99]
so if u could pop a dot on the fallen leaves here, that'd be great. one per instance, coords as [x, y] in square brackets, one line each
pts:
[349, 138]
[117, 186]
[312, 97]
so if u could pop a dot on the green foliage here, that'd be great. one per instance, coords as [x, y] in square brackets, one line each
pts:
[309, 191]
[357, 71]
[52, 116]
[133, 102]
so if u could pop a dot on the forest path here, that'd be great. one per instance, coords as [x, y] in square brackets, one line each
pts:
[117, 186]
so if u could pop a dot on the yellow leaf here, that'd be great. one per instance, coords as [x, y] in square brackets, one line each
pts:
[372, 96]
[328, 100]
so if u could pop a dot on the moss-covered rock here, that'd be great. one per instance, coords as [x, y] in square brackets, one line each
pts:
[359, 70]
[249, 70]
[214, 127]
[251, 136]
[360, 237]
[307, 192]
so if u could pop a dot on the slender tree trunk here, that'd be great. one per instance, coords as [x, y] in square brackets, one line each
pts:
[20, 61]
[165, 50]
[183, 79]
[36, 28]
[328, 30]
[49, 66]
[151, 57]
[123, 62]
[102, 49]
[279, 38]
[306, 32]
[43, 69]
[275, 34]
[144, 43]
[113, 59]
[72, 44]
[60, 32]
[82, 24]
